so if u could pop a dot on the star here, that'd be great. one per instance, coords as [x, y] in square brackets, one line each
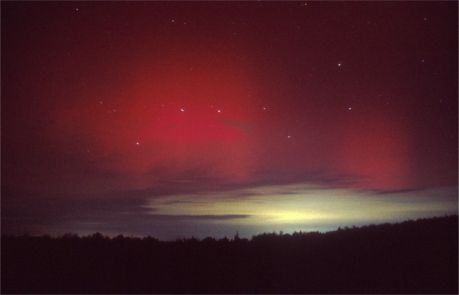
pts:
[289, 136]
[219, 111]
[173, 20]
[77, 9]
[264, 108]
[339, 64]
[182, 109]
[349, 108]
[137, 143]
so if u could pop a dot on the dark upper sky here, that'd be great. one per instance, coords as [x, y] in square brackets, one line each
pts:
[108, 106]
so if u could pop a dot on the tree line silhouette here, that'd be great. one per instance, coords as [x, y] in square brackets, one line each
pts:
[410, 257]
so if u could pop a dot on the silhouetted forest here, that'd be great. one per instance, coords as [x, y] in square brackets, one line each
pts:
[410, 257]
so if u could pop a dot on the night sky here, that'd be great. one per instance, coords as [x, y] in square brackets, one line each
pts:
[180, 119]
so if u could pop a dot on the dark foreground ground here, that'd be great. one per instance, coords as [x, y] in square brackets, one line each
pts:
[411, 257]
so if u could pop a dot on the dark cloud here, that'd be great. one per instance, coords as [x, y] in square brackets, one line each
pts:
[198, 217]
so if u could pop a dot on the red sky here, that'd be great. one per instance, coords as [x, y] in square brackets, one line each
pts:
[102, 100]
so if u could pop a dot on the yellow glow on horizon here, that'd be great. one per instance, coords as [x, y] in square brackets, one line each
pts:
[300, 204]
[293, 216]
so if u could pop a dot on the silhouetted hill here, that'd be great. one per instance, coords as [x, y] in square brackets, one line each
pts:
[410, 257]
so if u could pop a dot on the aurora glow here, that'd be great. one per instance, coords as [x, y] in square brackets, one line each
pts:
[180, 118]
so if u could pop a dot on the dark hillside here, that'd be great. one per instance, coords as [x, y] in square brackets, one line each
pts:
[411, 257]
